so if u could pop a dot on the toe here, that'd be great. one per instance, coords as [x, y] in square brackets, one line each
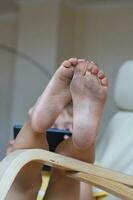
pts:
[94, 69]
[81, 60]
[90, 65]
[73, 61]
[66, 63]
[85, 68]
[101, 75]
[81, 68]
[104, 81]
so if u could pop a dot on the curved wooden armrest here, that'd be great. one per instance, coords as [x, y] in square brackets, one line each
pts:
[114, 182]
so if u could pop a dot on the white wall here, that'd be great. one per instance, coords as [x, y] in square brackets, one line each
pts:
[38, 38]
[7, 37]
[66, 36]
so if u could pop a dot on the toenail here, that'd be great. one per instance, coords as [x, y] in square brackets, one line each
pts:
[73, 61]
[66, 63]
[81, 60]
[92, 62]
[89, 62]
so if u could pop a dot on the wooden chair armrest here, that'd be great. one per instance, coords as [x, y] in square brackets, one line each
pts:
[114, 182]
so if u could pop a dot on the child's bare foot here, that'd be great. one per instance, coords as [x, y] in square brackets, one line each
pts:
[41, 117]
[89, 91]
[54, 98]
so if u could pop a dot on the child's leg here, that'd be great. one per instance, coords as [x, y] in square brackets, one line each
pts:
[62, 187]
[41, 117]
[89, 91]
[68, 148]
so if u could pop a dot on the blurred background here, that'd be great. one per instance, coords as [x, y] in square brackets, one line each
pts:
[37, 35]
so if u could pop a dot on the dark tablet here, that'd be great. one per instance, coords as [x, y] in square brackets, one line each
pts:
[54, 136]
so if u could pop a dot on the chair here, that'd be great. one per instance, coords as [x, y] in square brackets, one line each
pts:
[116, 146]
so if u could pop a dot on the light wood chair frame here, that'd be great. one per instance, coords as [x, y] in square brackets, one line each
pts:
[116, 183]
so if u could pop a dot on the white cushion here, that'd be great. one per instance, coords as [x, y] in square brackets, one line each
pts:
[116, 145]
[124, 87]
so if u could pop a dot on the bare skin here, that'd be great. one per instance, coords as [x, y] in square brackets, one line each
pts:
[54, 98]
[41, 117]
[64, 121]
[88, 88]
[89, 91]
[48, 107]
